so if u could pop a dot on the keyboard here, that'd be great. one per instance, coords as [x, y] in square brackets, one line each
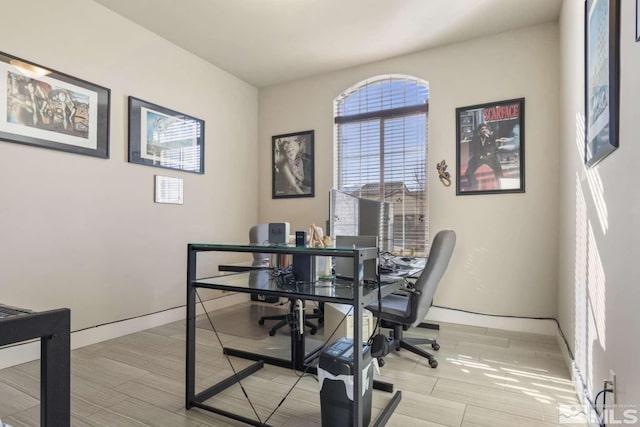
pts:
[7, 311]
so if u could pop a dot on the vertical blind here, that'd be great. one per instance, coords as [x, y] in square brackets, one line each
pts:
[380, 152]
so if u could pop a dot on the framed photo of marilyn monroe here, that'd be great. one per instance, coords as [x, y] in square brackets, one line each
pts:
[490, 148]
[292, 165]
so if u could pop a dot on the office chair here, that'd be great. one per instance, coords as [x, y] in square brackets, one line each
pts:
[259, 234]
[289, 319]
[404, 310]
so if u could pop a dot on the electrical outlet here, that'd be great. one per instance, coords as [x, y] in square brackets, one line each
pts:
[611, 384]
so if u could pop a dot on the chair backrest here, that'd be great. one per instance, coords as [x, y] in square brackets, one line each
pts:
[427, 283]
[259, 234]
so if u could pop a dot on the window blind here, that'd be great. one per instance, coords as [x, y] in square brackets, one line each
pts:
[380, 152]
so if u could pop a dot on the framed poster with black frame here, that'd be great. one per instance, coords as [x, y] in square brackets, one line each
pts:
[164, 138]
[46, 108]
[490, 153]
[602, 91]
[638, 20]
[292, 165]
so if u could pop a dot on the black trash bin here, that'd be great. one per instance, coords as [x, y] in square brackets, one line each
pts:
[335, 372]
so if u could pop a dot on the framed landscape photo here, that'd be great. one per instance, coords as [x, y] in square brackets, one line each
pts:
[490, 148]
[602, 66]
[165, 138]
[292, 165]
[46, 108]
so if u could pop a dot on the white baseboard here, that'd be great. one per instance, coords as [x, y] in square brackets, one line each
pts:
[566, 356]
[535, 326]
[29, 351]
[578, 383]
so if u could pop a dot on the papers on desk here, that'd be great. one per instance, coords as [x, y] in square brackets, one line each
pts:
[392, 276]
[408, 262]
[388, 278]
[394, 267]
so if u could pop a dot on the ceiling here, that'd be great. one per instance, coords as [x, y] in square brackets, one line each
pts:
[265, 42]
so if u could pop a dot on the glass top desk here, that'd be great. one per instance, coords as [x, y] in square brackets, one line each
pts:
[353, 292]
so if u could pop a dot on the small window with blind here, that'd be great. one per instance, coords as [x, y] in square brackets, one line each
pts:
[380, 152]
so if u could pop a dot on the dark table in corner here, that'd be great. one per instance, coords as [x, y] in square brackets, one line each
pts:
[53, 327]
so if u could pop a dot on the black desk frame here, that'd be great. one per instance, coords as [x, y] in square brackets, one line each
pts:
[53, 329]
[358, 300]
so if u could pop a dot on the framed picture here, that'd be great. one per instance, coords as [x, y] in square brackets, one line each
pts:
[46, 108]
[490, 152]
[602, 59]
[292, 165]
[638, 20]
[165, 138]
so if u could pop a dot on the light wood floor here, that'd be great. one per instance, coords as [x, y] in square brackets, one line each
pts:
[485, 377]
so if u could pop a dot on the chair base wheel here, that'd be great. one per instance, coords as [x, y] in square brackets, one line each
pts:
[433, 363]
[381, 362]
[261, 322]
[435, 346]
[272, 332]
[313, 331]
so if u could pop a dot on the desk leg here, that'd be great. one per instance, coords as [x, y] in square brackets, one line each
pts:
[297, 337]
[190, 350]
[55, 373]
[388, 410]
[383, 386]
[275, 361]
[426, 325]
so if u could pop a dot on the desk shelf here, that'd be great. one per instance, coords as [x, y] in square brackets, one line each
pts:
[261, 281]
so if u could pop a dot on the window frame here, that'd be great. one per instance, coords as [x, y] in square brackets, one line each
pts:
[381, 116]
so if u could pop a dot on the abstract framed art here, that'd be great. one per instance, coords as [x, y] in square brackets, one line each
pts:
[46, 108]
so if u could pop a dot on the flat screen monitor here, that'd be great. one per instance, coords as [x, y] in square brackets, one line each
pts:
[344, 266]
[344, 211]
[356, 216]
[375, 219]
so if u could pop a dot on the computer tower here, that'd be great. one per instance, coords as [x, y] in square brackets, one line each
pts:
[335, 320]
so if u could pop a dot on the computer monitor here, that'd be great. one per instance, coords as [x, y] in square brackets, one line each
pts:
[344, 266]
[344, 213]
[376, 219]
[356, 216]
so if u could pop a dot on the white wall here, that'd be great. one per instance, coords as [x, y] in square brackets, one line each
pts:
[599, 210]
[505, 259]
[84, 233]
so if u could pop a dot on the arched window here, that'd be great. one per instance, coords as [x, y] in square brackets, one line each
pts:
[380, 151]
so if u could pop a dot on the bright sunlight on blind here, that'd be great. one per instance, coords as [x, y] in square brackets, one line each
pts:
[380, 152]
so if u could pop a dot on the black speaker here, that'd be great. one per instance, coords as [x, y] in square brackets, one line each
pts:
[301, 238]
[304, 266]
